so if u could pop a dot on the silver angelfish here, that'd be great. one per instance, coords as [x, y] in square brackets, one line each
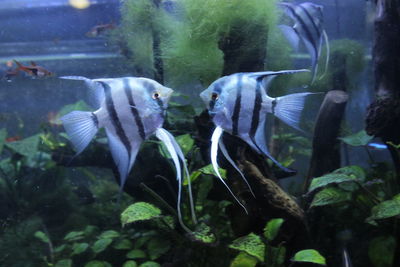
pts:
[131, 110]
[238, 104]
[308, 27]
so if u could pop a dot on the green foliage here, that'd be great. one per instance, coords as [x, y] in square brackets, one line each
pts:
[207, 170]
[244, 260]
[140, 21]
[136, 254]
[27, 147]
[140, 211]
[358, 139]
[381, 251]
[271, 230]
[385, 209]
[149, 264]
[309, 255]
[251, 244]
[342, 175]
[329, 196]
[42, 236]
[97, 263]
[203, 233]
[64, 263]
[130, 264]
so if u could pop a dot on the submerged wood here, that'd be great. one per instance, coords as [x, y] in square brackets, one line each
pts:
[383, 115]
[326, 147]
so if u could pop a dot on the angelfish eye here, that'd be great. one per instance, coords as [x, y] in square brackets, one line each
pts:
[156, 95]
[214, 96]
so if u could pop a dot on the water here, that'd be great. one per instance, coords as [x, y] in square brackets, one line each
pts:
[58, 208]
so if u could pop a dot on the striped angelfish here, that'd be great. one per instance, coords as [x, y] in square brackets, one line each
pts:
[238, 104]
[131, 110]
[308, 27]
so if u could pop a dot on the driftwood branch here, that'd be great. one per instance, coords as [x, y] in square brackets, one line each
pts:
[326, 147]
[383, 115]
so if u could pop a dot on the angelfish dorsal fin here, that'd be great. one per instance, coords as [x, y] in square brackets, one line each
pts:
[267, 76]
[96, 90]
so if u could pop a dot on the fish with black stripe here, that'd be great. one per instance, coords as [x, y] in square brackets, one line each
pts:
[131, 110]
[238, 104]
[308, 27]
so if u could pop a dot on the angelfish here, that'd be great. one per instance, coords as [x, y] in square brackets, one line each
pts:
[131, 110]
[238, 104]
[308, 27]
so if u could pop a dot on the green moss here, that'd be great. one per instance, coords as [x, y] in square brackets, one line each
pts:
[140, 20]
[192, 51]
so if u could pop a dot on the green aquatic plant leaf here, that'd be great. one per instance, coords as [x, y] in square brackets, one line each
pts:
[123, 244]
[385, 209]
[64, 263]
[74, 236]
[130, 264]
[42, 236]
[342, 175]
[203, 233]
[60, 248]
[186, 142]
[309, 255]
[358, 139]
[109, 234]
[329, 196]
[101, 245]
[251, 244]
[140, 211]
[244, 260]
[275, 255]
[78, 248]
[207, 170]
[381, 251]
[271, 230]
[157, 247]
[27, 147]
[3, 136]
[353, 171]
[136, 254]
[97, 263]
[150, 264]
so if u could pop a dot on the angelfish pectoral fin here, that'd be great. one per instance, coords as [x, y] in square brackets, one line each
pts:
[214, 153]
[226, 155]
[164, 137]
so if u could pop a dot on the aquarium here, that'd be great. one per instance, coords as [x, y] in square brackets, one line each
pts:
[199, 133]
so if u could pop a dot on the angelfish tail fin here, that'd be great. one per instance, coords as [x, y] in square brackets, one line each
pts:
[214, 152]
[81, 127]
[288, 108]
